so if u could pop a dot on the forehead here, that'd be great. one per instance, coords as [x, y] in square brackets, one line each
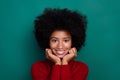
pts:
[60, 33]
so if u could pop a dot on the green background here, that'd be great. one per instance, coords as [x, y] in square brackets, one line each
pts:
[19, 49]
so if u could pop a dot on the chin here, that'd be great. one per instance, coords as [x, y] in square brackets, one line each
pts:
[60, 56]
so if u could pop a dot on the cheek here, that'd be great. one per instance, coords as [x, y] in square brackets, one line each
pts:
[52, 45]
[68, 45]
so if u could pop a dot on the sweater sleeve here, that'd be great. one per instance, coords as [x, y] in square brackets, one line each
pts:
[65, 73]
[55, 73]
[79, 73]
[41, 72]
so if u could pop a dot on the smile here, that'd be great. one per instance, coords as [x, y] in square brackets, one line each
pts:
[60, 52]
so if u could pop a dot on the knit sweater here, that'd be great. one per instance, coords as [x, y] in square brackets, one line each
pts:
[47, 70]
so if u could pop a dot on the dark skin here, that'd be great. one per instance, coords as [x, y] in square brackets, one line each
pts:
[60, 51]
[61, 61]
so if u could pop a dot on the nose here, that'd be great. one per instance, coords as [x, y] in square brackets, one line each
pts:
[60, 45]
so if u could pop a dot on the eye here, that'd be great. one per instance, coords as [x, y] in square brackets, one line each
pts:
[66, 40]
[54, 40]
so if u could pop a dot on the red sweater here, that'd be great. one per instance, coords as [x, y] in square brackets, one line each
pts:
[46, 70]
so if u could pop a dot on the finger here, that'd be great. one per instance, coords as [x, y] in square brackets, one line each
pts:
[50, 54]
[46, 53]
[75, 51]
[71, 53]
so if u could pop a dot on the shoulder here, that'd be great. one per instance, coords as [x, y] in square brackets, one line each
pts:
[40, 64]
[40, 67]
[37, 64]
[79, 65]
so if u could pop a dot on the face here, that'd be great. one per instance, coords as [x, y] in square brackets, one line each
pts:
[60, 43]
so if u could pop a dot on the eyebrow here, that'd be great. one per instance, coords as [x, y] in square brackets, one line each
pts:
[63, 38]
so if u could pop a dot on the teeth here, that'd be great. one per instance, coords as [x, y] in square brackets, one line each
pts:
[60, 52]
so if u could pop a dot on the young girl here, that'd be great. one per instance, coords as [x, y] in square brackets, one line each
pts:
[60, 33]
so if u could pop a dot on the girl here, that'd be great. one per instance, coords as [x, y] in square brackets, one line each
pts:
[60, 33]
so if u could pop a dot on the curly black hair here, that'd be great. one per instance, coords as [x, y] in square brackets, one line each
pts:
[60, 19]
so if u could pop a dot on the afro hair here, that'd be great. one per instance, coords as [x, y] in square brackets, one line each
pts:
[60, 19]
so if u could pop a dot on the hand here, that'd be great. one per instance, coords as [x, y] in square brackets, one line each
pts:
[72, 54]
[52, 57]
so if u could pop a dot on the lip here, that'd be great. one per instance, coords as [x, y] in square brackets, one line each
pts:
[60, 52]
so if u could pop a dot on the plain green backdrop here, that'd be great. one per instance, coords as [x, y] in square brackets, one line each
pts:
[19, 49]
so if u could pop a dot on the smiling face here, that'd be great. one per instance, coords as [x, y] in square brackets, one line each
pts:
[60, 43]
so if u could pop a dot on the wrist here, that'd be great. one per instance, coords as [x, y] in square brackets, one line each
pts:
[64, 62]
[58, 63]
